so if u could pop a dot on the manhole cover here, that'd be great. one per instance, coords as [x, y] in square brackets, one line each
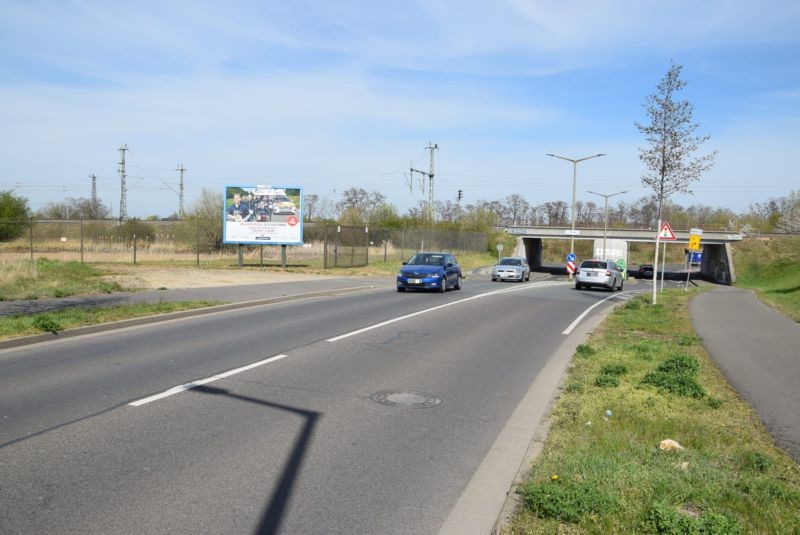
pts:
[405, 398]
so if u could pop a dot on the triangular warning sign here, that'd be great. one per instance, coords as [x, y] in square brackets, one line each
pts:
[666, 232]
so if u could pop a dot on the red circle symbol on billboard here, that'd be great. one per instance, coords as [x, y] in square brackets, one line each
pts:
[292, 220]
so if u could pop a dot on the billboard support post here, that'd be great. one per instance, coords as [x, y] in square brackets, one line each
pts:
[283, 256]
[240, 248]
[261, 255]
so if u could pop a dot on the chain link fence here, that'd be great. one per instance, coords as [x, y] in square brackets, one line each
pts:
[200, 242]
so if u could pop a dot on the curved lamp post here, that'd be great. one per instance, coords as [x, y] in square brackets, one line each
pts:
[574, 181]
[605, 225]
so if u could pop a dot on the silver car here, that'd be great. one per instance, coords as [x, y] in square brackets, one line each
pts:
[511, 268]
[603, 273]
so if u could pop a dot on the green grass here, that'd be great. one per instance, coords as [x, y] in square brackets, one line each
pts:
[29, 324]
[771, 267]
[51, 278]
[605, 474]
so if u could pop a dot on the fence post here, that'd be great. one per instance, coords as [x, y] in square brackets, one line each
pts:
[81, 239]
[335, 246]
[31, 227]
[197, 238]
[385, 247]
[403, 244]
[134, 241]
[325, 247]
[366, 230]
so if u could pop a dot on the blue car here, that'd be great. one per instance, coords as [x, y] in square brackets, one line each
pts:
[430, 271]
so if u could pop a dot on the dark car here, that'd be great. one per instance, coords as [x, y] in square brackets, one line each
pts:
[646, 271]
[430, 271]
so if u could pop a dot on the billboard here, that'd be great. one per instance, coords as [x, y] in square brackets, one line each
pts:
[261, 215]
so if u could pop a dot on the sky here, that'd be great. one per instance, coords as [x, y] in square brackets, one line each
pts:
[332, 95]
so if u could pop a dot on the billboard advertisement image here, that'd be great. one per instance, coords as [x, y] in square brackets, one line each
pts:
[263, 215]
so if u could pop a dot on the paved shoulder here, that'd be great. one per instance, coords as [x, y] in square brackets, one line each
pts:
[758, 350]
[227, 294]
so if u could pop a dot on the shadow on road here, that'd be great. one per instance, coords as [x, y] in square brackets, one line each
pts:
[275, 511]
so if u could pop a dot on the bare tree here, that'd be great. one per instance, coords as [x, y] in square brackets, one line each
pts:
[310, 203]
[74, 208]
[672, 142]
[516, 207]
[671, 139]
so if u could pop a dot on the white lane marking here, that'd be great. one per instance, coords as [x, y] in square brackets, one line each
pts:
[401, 318]
[585, 312]
[180, 388]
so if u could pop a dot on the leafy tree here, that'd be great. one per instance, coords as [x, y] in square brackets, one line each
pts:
[206, 214]
[358, 206]
[15, 211]
[790, 213]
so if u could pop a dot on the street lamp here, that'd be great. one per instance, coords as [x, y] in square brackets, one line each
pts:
[574, 182]
[605, 225]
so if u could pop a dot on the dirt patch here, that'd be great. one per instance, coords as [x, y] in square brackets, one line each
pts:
[156, 278]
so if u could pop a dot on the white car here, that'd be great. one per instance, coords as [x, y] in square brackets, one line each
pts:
[281, 204]
[603, 273]
[511, 268]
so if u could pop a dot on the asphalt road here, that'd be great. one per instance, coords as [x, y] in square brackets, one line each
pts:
[301, 443]
[758, 350]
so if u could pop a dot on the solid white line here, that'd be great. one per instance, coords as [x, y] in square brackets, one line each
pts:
[585, 312]
[401, 318]
[180, 388]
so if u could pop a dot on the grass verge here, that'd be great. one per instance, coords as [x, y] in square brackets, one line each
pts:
[25, 325]
[642, 378]
[771, 267]
[43, 278]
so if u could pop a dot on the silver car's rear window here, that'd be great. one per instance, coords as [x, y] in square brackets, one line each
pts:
[593, 264]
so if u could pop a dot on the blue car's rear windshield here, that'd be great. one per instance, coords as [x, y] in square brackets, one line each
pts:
[426, 260]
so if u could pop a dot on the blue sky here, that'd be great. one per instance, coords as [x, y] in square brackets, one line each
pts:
[332, 95]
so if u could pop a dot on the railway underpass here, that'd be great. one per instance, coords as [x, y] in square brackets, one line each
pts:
[716, 266]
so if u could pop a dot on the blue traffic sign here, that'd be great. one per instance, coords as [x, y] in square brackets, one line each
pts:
[571, 257]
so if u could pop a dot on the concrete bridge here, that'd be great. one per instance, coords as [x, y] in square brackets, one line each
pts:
[717, 264]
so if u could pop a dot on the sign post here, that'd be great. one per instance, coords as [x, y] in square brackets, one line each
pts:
[694, 246]
[664, 233]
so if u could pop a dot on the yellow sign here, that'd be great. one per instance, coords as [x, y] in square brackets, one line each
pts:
[694, 242]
